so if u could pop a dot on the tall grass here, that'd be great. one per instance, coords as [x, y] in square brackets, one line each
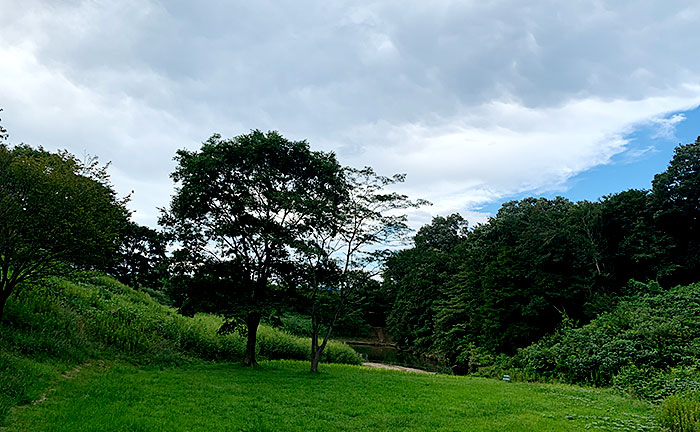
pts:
[51, 327]
[680, 413]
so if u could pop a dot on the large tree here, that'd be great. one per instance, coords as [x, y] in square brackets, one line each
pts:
[55, 211]
[246, 203]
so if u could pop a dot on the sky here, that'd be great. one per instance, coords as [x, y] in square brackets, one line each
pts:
[477, 102]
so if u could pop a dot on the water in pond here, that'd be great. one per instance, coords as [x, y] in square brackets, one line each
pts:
[388, 354]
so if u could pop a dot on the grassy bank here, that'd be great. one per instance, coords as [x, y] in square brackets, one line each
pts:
[58, 325]
[283, 395]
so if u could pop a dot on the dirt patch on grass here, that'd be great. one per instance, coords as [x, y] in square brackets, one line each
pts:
[395, 367]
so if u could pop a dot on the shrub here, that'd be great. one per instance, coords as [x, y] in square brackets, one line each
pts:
[651, 331]
[275, 344]
[680, 413]
[296, 324]
[655, 384]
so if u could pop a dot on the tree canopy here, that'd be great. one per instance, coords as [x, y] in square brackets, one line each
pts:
[141, 259]
[248, 202]
[55, 210]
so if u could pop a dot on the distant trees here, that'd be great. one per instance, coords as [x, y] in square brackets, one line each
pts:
[55, 211]
[140, 260]
[675, 198]
[246, 204]
[517, 275]
[509, 282]
[415, 278]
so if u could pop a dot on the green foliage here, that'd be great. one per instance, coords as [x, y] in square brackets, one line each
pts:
[246, 203]
[55, 210]
[339, 260]
[140, 261]
[656, 384]
[632, 245]
[676, 205]
[274, 344]
[510, 281]
[516, 275]
[414, 277]
[680, 413]
[653, 330]
[296, 324]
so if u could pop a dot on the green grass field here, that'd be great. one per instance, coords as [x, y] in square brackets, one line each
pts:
[283, 395]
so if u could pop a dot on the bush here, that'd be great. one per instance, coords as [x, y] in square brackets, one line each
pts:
[296, 324]
[680, 413]
[654, 384]
[653, 331]
[275, 344]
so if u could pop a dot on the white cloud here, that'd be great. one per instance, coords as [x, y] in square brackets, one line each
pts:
[474, 100]
[666, 127]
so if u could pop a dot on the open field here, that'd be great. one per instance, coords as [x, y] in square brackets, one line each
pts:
[283, 395]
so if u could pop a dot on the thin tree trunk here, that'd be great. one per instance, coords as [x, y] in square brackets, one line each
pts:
[316, 358]
[252, 322]
[4, 295]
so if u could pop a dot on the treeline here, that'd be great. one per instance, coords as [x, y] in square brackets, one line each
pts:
[462, 294]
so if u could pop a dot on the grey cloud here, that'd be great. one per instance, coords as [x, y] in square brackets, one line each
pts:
[378, 82]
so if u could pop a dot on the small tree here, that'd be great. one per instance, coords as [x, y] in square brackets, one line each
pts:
[246, 203]
[54, 211]
[342, 258]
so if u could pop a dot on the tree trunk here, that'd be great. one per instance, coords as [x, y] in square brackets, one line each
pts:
[318, 349]
[252, 322]
[4, 295]
[315, 360]
[315, 356]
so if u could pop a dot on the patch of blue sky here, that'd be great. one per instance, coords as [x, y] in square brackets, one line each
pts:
[648, 152]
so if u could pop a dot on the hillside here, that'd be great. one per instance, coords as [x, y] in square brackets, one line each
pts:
[66, 322]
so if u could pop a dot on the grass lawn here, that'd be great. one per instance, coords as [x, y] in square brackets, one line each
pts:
[282, 396]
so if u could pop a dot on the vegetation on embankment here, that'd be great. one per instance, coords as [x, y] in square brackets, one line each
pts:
[64, 322]
[283, 395]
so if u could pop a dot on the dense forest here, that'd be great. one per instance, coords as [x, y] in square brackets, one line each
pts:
[541, 268]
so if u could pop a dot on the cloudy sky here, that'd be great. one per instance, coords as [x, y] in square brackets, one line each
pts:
[478, 102]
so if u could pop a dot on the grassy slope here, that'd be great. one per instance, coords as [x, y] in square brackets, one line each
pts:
[282, 395]
[51, 328]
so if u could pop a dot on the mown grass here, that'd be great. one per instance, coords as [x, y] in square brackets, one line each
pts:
[284, 396]
[52, 327]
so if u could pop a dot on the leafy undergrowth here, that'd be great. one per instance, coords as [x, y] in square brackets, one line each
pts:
[63, 323]
[283, 395]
